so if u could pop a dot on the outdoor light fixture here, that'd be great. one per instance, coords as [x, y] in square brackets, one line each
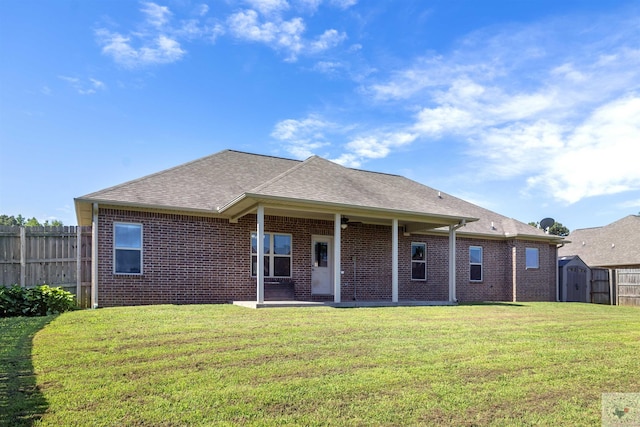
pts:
[343, 222]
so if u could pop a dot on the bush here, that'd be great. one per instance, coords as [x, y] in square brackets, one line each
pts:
[39, 301]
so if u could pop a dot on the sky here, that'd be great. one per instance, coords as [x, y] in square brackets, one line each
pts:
[527, 108]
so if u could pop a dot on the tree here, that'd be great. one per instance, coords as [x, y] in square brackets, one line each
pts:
[11, 220]
[557, 229]
[31, 222]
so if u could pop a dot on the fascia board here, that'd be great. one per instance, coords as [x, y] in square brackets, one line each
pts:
[143, 207]
[502, 236]
[346, 208]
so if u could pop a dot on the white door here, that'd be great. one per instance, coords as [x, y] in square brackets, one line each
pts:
[321, 265]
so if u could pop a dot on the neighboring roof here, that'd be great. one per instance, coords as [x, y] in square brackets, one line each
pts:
[231, 183]
[614, 245]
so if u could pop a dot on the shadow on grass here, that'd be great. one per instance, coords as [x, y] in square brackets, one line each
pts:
[21, 402]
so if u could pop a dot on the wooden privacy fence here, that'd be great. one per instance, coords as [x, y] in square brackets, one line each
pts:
[56, 256]
[600, 287]
[628, 284]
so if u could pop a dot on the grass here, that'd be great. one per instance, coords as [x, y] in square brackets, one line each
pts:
[503, 364]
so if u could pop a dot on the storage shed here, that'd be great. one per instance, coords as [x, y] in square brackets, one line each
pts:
[574, 279]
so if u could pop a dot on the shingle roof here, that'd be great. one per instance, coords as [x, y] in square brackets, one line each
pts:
[613, 245]
[216, 183]
[203, 184]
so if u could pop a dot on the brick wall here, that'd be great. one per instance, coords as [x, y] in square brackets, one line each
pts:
[496, 284]
[538, 284]
[189, 259]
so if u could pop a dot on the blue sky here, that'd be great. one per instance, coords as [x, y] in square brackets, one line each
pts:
[528, 108]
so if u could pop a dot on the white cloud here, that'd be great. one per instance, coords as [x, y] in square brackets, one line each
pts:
[328, 67]
[436, 121]
[543, 102]
[348, 159]
[344, 4]
[302, 138]
[281, 35]
[89, 86]
[157, 38]
[630, 204]
[329, 39]
[379, 144]
[203, 9]
[156, 15]
[268, 7]
[158, 50]
[596, 158]
[309, 5]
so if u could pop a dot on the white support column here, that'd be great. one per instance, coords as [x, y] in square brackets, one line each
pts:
[452, 260]
[394, 262]
[337, 264]
[94, 256]
[452, 263]
[260, 254]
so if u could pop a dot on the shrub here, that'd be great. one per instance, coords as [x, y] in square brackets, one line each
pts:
[39, 301]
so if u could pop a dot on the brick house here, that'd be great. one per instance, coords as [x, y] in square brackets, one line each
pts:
[330, 233]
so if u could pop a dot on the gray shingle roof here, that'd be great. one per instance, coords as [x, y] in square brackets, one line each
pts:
[216, 183]
[613, 245]
[203, 184]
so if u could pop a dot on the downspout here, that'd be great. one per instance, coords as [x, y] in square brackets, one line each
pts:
[94, 256]
[558, 273]
[452, 260]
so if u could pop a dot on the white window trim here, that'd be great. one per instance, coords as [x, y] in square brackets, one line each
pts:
[481, 264]
[424, 245]
[537, 259]
[272, 255]
[115, 248]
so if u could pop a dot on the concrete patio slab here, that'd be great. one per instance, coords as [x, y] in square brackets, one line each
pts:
[345, 304]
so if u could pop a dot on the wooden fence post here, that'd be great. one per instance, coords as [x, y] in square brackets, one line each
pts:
[23, 255]
[79, 265]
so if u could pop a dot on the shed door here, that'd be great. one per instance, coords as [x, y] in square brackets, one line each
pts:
[321, 266]
[577, 284]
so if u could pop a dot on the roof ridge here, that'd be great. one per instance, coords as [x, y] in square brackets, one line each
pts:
[283, 174]
[256, 154]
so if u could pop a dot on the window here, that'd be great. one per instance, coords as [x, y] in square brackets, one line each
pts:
[127, 248]
[532, 258]
[418, 261]
[277, 255]
[475, 263]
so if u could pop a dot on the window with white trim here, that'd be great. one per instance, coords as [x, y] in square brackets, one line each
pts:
[127, 248]
[418, 261]
[475, 263]
[277, 254]
[532, 258]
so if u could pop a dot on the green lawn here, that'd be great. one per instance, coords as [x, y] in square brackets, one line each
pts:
[503, 364]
